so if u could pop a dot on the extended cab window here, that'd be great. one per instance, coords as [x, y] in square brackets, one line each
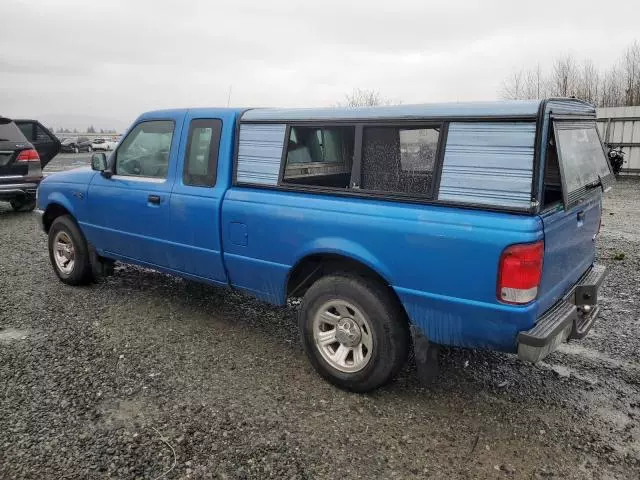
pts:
[583, 163]
[399, 159]
[145, 151]
[320, 156]
[201, 162]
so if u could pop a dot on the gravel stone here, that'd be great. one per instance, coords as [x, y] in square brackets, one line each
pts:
[146, 374]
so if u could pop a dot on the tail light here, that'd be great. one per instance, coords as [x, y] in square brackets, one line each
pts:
[519, 272]
[30, 155]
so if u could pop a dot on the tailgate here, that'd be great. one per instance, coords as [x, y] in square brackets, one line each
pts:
[571, 227]
[569, 247]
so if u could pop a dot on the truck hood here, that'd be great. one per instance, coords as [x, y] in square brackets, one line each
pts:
[81, 175]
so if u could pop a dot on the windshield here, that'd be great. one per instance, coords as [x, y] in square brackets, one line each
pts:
[583, 160]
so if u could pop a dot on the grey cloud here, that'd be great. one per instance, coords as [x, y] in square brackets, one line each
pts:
[121, 57]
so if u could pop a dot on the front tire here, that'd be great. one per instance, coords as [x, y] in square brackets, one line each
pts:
[353, 331]
[68, 252]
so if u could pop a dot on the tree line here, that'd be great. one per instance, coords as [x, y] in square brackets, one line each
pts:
[91, 129]
[615, 86]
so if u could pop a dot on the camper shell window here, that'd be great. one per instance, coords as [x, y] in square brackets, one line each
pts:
[319, 156]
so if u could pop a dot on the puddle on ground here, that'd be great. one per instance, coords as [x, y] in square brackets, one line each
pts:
[616, 417]
[595, 355]
[566, 372]
[10, 334]
[126, 411]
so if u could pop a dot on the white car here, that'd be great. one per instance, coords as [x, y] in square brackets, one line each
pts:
[103, 144]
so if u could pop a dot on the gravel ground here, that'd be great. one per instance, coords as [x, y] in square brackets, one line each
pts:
[150, 376]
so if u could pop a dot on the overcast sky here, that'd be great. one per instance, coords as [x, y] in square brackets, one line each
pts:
[117, 58]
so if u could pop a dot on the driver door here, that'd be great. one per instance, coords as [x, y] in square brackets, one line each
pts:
[129, 214]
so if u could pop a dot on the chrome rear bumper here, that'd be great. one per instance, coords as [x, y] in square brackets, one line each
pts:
[570, 318]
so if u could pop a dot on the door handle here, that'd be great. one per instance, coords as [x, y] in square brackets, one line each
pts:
[154, 199]
[581, 216]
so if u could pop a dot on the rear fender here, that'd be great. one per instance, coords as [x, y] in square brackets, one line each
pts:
[345, 248]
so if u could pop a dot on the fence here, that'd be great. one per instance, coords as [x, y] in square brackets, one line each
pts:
[620, 127]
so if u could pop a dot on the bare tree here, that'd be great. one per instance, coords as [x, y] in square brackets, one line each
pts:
[612, 88]
[362, 97]
[588, 83]
[631, 66]
[618, 85]
[513, 86]
[535, 86]
[564, 77]
[525, 85]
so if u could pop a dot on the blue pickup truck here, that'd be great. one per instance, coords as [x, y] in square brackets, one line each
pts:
[465, 224]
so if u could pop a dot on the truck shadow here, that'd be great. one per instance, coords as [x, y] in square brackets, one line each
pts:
[462, 371]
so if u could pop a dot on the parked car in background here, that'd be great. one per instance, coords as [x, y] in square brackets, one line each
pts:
[464, 224]
[26, 147]
[103, 144]
[76, 145]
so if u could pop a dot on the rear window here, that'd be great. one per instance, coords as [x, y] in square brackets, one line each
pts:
[9, 132]
[582, 158]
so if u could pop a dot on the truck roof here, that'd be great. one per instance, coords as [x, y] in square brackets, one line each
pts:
[519, 109]
[204, 111]
[495, 109]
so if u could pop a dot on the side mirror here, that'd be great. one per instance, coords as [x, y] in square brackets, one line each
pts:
[99, 162]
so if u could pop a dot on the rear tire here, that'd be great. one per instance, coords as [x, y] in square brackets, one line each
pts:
[23, 205]
[68, 252]
[370, 333]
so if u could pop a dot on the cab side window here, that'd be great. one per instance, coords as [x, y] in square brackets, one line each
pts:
[201, 161]
[145, 151]
[27, 130]
[42, 136]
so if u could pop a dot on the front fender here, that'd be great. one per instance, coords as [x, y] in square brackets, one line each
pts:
[59, 198]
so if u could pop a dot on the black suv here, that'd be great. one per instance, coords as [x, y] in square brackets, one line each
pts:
[26, 146]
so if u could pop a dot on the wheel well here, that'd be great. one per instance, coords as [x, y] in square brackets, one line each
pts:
[311, 268]
[52, 212]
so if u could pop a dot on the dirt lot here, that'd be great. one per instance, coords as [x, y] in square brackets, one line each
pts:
[147, 374]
